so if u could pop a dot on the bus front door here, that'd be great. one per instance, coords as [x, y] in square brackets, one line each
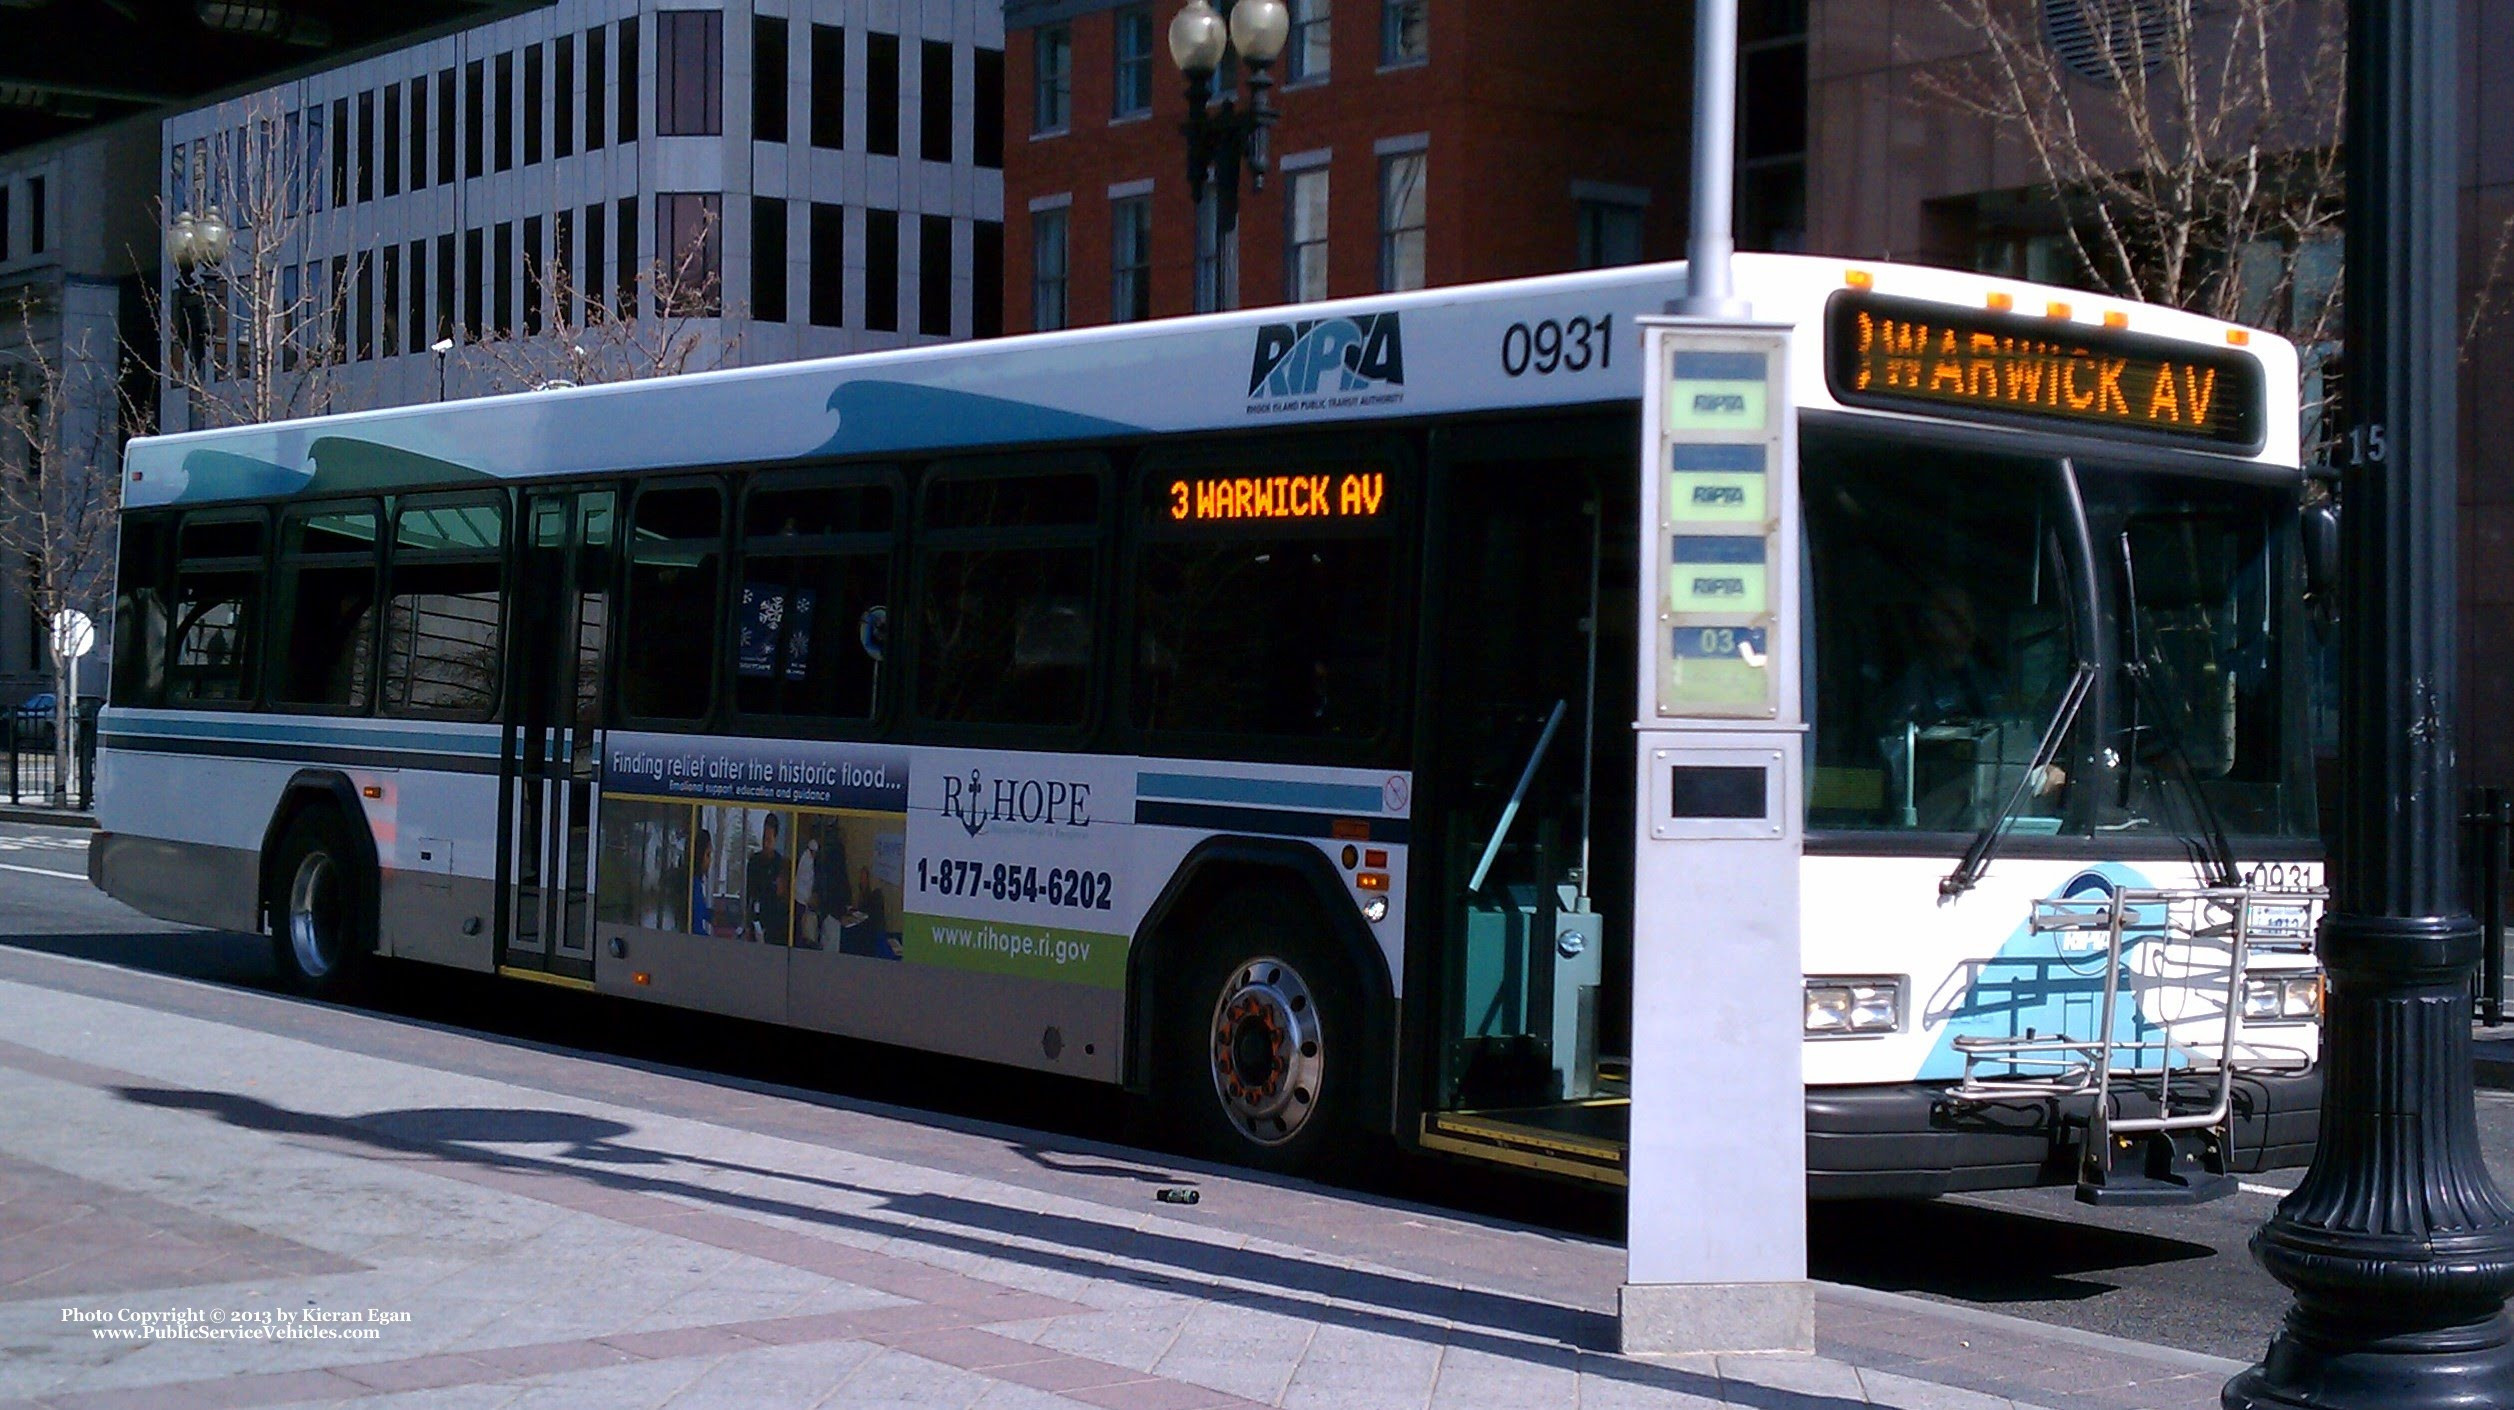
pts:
[549, 754]
[1525, 758]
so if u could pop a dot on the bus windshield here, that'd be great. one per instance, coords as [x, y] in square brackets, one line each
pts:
[1953, 597]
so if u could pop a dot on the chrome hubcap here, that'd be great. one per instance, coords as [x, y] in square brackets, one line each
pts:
[314, 915]
[1268, 1051]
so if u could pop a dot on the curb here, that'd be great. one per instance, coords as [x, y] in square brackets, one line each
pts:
[56, 817]
[2494, 1072]
[1913, 1304]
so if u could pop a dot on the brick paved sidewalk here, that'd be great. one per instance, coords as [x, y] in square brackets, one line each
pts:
[328, 1208]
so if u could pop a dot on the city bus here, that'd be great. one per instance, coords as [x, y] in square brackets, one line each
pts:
[1237, 710]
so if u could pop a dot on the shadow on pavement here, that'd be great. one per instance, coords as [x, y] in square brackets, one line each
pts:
[1936, 1247]
[1387, 1304]
[217, 956]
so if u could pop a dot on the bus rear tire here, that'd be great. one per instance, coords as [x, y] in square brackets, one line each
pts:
[322, 907]
[1264, 1049]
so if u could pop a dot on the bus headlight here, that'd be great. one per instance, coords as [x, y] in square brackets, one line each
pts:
[2283, 998]
[1839, 1007]
[1375, 909]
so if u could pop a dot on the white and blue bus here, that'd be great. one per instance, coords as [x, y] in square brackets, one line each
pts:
[1237, 709]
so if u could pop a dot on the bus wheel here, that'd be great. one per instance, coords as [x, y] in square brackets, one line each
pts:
[322, 929]
[1268, 1042]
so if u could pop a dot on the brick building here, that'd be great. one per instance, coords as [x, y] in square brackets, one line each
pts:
[1419, 143]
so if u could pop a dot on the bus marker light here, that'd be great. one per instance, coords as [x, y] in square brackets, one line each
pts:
[1858, 278]
[2239, 337]
[2001, 303]
[1352, 858]
[2056, 309]
[373, 790]
[1375, 859]
[2115, 318]
[1350, 830]
[642, 977]
[1371, 880]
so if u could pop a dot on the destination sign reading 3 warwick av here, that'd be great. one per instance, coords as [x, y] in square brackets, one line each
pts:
[1907, 354]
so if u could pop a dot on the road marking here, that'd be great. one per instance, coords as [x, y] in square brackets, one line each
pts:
[44, 871]
[2271, 1190]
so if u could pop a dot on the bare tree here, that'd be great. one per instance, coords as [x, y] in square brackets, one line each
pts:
[61, 431]
[2191, 147]
[256, 327]
[668, 318]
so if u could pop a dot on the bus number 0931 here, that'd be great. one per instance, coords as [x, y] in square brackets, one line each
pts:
[1547, 347]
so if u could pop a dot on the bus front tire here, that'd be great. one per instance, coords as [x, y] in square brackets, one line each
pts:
[322, 907]
[1265, 1044]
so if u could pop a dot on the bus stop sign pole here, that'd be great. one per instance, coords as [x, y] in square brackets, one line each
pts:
[2399, 1247]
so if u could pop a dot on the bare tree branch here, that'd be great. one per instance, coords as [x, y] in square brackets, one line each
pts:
[669, 319]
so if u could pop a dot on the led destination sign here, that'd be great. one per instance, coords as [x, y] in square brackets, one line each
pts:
[1322, 497]
[1909, 355]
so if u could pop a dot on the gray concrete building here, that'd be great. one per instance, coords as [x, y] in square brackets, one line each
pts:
[786, 178]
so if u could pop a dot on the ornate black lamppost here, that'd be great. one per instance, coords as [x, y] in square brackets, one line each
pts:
[196, 246]
[1222, 137]
[2398, 1245]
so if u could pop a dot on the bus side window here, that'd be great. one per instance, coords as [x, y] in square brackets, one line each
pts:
[443, 620]
[323, 617]
[811, 623]
[217, 609]
[668, 646]
[1007, 627]
[139, 658]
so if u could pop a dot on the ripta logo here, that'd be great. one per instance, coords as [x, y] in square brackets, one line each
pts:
[1327, 354]
[975, 802]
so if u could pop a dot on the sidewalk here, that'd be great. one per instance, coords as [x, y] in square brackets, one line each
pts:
[45, 814]
[2492, 1056]
[350, 1210]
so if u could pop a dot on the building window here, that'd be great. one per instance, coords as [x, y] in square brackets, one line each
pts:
[986, 279]
[445, 285]
[475, 285]
[533, 128]
[35, 218]
[475, 118]
[1052, 78]
[768, 259]
[1133, 88]
[1305, 235]
[340, 152]
[1610, 232]
[1404, 33]
[502, 119]
[415, 330]
[1306, 56]
[881, 94]
[563, 96]
[597, 293]
[595, 61]
[768, 79]
[1401, 220]
[536, 276]
[563, 284]
[419, 133]
[689, 73]
[1130, 259]
[829, 265]
[1772, 126]
[445, 126]
[366, 147]
[687, 221]
[366, 308]
[881, 271]
[934, 275]
[624, 265]
[393, 140]
[986, 111]
[502, 280]
[934, 105]
[629, 79]
[1047, 269]
[389, 337]
[829, 86]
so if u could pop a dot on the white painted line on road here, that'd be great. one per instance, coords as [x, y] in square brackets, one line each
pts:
[45, 871]
[2271, 1190]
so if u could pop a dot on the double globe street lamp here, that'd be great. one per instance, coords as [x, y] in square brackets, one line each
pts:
[1223, 136]
[197, 246]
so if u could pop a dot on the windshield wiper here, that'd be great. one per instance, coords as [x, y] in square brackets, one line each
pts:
[1976, 858]
[2218, 856]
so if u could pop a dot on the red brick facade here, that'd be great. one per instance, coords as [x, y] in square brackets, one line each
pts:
[1519, 103]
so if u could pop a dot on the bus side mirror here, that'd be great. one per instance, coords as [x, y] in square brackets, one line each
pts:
[2321, 547]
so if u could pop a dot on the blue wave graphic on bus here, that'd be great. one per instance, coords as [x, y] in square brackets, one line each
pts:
[2032, 986]
[218, 474]
[878, 416]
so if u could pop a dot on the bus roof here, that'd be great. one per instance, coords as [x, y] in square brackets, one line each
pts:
[1560, 340]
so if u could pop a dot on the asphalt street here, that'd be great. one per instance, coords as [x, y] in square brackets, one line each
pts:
[2178, 1277]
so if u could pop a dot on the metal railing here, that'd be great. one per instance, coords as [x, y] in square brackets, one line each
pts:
[2487, 823]
[33, 767]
